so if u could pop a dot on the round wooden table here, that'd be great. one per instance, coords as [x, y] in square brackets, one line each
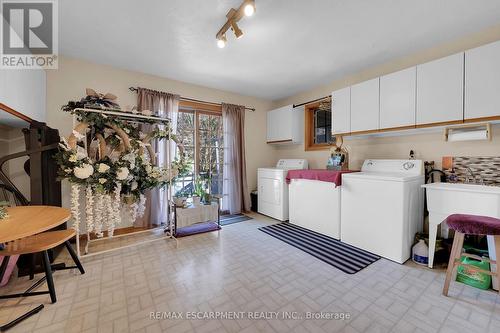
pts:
[24, 221]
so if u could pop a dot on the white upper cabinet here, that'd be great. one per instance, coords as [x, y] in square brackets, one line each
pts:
[365, 106]
[341, 111]
[440, 86]
[482, 81]
[272, 124]
[285, 125]
[397, 98]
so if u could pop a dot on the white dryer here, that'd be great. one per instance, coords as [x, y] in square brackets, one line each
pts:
[383, 207]
[273, 189]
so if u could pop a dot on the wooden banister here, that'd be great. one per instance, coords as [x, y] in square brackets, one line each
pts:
[15, 113]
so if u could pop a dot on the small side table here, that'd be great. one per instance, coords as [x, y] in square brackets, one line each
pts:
[190, 215]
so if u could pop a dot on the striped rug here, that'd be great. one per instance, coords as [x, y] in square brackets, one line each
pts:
[347, 258]
[230, 219]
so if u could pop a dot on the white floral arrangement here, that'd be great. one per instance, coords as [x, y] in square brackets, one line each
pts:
[119, 173]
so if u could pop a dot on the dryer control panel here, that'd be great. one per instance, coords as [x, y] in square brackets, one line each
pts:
[408, 167]
[290, 164]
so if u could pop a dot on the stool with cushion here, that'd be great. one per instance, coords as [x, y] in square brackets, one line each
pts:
[470, 225]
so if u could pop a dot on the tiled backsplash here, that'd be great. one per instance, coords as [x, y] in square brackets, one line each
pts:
[486, 168]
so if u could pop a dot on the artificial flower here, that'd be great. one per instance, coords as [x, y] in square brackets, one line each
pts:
[103, 167]
[130, 158]
[81, 153]
[84, 171]
[78, 135]
[122, 173]
[108, 132]
[64, 144]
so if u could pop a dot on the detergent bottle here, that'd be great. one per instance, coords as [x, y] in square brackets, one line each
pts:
[420, 253]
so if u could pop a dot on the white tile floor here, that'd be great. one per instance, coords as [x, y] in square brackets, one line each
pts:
[243, 269]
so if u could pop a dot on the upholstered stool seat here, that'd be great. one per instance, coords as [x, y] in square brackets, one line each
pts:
[474, 225]
[463, 225]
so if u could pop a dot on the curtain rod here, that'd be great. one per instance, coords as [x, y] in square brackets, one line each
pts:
[193, 100]
[125, 115]
[314, 100]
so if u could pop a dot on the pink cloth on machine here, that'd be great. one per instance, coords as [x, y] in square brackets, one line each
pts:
[331, 176]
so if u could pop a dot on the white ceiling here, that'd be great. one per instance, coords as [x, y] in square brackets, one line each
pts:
[288, 45]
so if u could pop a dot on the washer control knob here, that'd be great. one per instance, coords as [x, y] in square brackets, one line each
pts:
[408, 165]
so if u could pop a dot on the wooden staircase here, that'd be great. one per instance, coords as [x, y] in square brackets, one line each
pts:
[41, 143]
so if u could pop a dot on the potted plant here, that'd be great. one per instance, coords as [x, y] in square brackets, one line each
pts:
[199, 191]
[207, 197]
[180, 197]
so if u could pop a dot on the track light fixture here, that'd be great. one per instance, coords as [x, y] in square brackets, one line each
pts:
[247, 8]
[237, 31]
[221, 41]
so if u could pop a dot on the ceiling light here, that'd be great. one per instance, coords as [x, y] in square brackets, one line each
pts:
[249, 8]
[221, 42]
[237, 31]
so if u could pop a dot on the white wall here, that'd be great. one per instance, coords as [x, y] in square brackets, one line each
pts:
[24, 91]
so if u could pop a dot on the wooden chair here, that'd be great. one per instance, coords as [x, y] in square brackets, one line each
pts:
[41, 243]
[471, 225]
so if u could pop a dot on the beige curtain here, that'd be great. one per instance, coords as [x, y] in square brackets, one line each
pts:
[236, 196]
[166, 105]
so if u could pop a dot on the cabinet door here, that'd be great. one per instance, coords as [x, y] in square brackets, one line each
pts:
[297, 124]
[365, 106]
[285, 123]
[341, 111]
[482, 81]
[269, 126]
[272, 126]
[397, 99]
[440, 86]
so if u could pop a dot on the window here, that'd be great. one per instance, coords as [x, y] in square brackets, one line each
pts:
[200, 132]
[318, 126]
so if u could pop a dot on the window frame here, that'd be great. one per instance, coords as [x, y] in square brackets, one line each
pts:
[309, 144]
[197, 108]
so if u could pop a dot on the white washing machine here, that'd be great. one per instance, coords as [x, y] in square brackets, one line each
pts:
[383, 207]
[273, 189]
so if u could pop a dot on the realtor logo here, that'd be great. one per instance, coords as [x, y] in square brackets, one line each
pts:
[29, 34]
